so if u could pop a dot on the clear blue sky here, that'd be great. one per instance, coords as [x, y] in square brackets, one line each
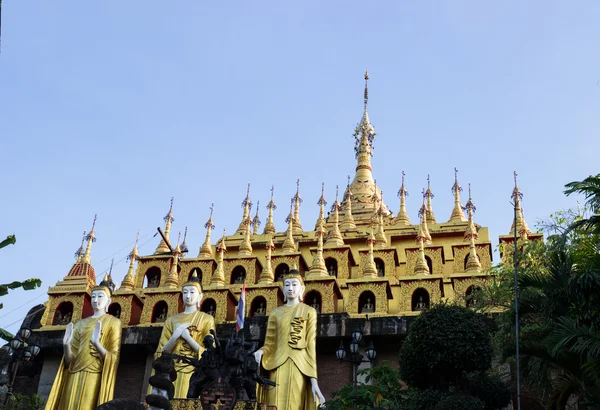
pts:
[113, 107]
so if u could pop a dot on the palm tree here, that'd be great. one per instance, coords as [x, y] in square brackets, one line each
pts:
[590, 189]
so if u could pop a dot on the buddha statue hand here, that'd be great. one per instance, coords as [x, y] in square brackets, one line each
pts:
[178, 332]
[68, 335]
[316, 391]
[258, 356]
[95, 339]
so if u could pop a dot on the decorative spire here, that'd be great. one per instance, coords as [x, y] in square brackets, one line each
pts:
[380, 237]
[270, 226]
[246, 245]
[369, 267]
[206, 248]
[423, 237]
[90, 238]
[457, 212]
[318, 267]
[402, 217]
[522, 228]
[218, 278]
[79, 252]
[184, 247]
[296, 201]
[162, 246]
[172, 280]
[320, 225]
[423, 212]
[246, 221]
[473, 263]
[335, 237]
[129, 280]
[348, 220]
[256, 221]
[364, 134]
[289, 245]
[428, 194]
[267, 276]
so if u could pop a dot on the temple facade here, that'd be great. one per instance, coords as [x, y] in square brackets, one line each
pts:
[362, 265]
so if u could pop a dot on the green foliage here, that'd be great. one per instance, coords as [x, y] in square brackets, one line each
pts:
[427, 399]
[590, 189]
[443, 344]
[10, 240]
[490, 389]
[22, 402]
[459, 401]
[383, 390]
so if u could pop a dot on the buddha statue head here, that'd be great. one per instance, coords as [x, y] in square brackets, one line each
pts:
[191, 291]
[293, 285]
[101, 296]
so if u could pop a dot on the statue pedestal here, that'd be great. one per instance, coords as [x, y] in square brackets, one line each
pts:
[196, 404]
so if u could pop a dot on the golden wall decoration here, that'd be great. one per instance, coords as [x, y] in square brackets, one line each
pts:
[461, 252]
[435, 254]
[387, 256]
[408, 288]
[288, 260]
[206, 266]
[461, 286]
[379, 289]
[220, 298]
[171, 299]
[341, 257]
[143, 265]
[125, 302]
[327, 292]
[54, 302]
[270, 294]
[249, 266]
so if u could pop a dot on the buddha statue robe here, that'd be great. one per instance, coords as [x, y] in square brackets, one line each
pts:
[89, 380]
[200, 326]
[289, 354]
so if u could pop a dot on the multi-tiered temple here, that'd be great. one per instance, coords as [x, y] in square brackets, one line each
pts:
[357, 259]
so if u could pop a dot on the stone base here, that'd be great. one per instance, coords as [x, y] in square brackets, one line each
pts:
[196, 404]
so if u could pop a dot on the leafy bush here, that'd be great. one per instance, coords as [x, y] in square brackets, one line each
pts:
[459, 401]
[491, 390]
[22, 402]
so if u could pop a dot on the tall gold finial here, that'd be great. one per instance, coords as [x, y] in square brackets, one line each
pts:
[128, 282]
[245, 248]
[90, 238]
[369, 269]
[256, 221]
[335, 237]
[423, 236]
[246, 221]
[289, 245]
[402, 217]
[366, 88]
[297, 200]
[522, 228]
[206, 248]
[428, 195]
[218, 278]
[380, 237]
[457, 212]
[184, 247]
[270, 225]
[348, 222]
[423, 216]
[162, 246]
[473, 263]
[267, 276]
[320, 225]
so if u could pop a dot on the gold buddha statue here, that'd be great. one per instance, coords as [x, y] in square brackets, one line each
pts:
[289, 352]
[87, 373]
[184, 332]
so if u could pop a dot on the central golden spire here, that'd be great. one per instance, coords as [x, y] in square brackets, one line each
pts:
[270, 225]
[522, 228]
[297, 200]
[90, 238]
[402, 217]
[206, 249]
[129, 280]
[473, 263]
[246, 221]
[428, 195]
[162, 246]
[457, 212]
[256, 221]
[335, 236]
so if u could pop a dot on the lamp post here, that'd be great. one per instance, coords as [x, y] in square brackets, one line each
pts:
[355, 357]
[18, 351]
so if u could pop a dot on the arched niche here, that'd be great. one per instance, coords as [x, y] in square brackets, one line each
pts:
[313, 299]
[281, 270]
[115, 310]
[429, 263]
[420, 300]
[209, 306]
[63, 314]
[471, 295]
[152, 277]
[332, 266]
[160, 312]
[238, 275]
[380, 266]
[198, 272]
[366, 302]
[258, 307]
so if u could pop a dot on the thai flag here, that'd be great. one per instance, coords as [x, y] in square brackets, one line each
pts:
[239, 323]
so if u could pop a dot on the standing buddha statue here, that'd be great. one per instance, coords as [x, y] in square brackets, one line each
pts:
[289, 352]
[87, 373]
[184, 333]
